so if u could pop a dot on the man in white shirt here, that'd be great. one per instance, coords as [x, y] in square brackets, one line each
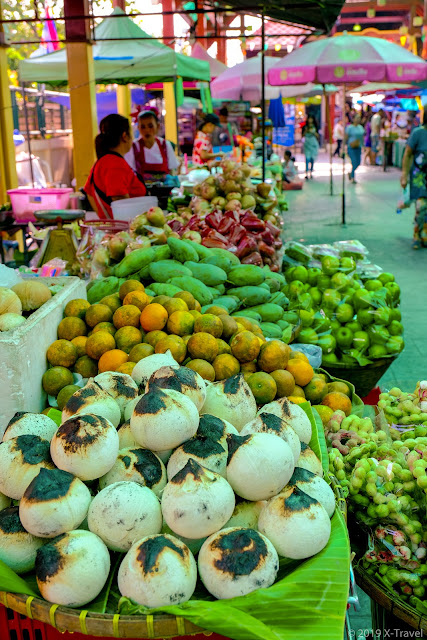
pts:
[151, 157]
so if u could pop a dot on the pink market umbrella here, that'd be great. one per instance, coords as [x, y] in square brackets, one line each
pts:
[348, 59]
[216, 66]
[243, 81]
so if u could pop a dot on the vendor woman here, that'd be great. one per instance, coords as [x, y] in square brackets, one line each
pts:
[151, 157]
[111, 178]
[202, 148]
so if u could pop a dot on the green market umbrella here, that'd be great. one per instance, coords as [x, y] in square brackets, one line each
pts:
[122, 53]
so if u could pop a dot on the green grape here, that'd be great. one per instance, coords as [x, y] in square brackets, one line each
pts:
[404, 502]
[422, 481]
[360, 473]
[340, 475]
[388, 486]
[371, 476]
[361, 500]
[371, 489]
[405, 475]
[382, 569]
[356, 483]
[409, 487]
[382, 510]
[395, 391]
[372, 511]
[378, 498]
[419, 472]
[419, 591]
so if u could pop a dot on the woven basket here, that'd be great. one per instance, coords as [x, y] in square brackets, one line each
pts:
[117, 626]
[364, 378]
[393, 605]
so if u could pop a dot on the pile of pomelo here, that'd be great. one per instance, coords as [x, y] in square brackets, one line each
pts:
[123, 328]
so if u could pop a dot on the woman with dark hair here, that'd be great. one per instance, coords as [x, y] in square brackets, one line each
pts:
[111, 178]
[151, 156]
[311, 137]
[202, 148]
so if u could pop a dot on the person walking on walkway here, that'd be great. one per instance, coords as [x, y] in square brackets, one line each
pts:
[376, 126]
[311, 137]
[354, 134]
[414, 171]
[338, 137]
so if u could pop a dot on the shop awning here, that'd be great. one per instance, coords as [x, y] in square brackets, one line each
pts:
[123, 53]
[316, 14]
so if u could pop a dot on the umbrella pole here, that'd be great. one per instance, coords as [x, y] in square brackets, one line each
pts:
[343, 159]
[263, 94]
[27, 127]
[328, 120]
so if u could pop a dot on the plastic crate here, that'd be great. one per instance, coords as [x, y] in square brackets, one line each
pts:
[25, 201]
[14, 626]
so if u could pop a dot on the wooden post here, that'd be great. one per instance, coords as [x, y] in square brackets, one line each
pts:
[81, 80]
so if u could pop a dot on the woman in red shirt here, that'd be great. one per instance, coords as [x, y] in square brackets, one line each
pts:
[111, 178]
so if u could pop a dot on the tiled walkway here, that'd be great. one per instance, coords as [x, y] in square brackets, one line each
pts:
[314, 217]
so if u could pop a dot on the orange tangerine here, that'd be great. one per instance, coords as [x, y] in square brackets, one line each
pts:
[316, 390]
[203, 368]
[248, 367]
[153, 337]
[80, 344]
[225, 366]
[76, 308]
[104, 326]
[297, 355]
[337, 400]
[98, 313]
[324, 412]
[284, 381]
[98, 343]
[127, 337]
[126, 367]
[245, 346]
[209, 323]
[229, 326]
[223, 347]
[297, 399]
[71, 327]
[246, 323]
[138, 299]
[175, 304]
[188, 299]
[62, 353]
[160, 299]
[154, 317]
[273, 355]
[113, 301]
[180, 323]
[301, 370]
[140, 351]
[174, 344]
[262, 386]
[127, 316]
[195, 314]
[298, 392]
[55, 379]
[342, 387]
[128, 286]
[217, 310]
[86, 367]
[111, 360]
[202, 346]
[197, 306]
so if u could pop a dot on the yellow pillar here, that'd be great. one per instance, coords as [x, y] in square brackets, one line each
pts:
[81, 80]
[171, 129]
[124, 100]
[8, 177]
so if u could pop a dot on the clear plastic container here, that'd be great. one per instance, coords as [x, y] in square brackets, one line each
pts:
[26, 201]
[128, 208]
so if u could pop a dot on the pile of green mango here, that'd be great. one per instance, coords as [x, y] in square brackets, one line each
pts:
[212, 276]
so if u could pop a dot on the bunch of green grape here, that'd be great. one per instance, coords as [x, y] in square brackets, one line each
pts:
[402, 408]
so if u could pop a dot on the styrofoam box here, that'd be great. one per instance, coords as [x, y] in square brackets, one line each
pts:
[23, 352]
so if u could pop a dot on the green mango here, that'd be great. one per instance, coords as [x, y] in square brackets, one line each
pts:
[269, 312]
[98, 289]
[209, 274]
[223, 252]
[223, 262]
[134, 262]
[229, 302]
[250, 296]
[162, 252]
[202, 252]
[271, 330]
[163, 289]
[199, 290]
[248, 313]
[182, 251]
[246, 274]
[164, 270]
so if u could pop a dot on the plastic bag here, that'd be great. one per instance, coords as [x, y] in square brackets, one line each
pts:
[351, 248]
[8, 277]
[405, 200]
[312, 351]
[319, 250]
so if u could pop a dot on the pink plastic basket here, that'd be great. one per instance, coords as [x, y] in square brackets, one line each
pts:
[26, 201]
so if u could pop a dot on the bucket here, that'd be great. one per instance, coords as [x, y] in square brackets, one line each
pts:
[129, 208]
[26, 201]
